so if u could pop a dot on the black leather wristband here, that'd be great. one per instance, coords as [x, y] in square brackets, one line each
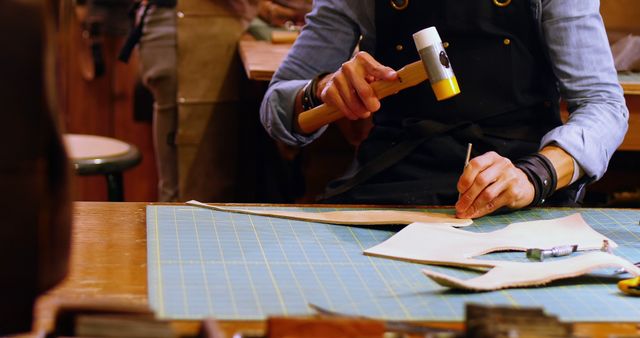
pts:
[309, 98]
[541, 174]
[306, 97]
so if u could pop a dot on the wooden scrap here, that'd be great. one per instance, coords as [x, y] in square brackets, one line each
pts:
[504, 321]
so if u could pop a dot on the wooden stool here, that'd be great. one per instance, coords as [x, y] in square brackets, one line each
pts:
[99, 155]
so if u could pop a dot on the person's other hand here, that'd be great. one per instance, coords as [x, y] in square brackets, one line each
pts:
[349, 88]
[490, 182]
[278, 15]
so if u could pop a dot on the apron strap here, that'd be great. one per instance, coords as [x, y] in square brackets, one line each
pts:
[418, 133]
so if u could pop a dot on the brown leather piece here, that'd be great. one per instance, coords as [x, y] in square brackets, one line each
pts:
[321, 327]
[351, 217]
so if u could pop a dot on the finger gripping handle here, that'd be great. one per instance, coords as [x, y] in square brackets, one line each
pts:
[410, 75]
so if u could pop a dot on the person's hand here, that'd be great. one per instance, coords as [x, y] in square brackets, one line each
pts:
[349, 88]
[278, 15]
[490, 182]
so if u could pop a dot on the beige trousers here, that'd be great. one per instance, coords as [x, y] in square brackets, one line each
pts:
[209, 100]
[190, 63]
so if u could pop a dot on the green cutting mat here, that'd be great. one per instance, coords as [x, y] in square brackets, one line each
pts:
[204, 263]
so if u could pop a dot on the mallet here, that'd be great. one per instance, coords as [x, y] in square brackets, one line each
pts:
[434, 65]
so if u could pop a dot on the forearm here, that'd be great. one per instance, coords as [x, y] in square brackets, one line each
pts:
[562, 162]
[323, 45]
[308, 98]
[547, 171]
[278, 110]
[490, 181]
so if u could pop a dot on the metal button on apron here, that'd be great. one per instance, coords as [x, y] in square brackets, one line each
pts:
[506, 41]
[399, 47]
[502, 3]
[401, 4]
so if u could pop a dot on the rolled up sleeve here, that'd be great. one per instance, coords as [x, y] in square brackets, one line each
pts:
[581, 59]
[326, 41]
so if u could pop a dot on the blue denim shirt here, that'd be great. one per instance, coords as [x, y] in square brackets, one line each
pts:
[576, 42]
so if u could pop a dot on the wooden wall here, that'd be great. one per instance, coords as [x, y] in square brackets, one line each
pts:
[621, 15]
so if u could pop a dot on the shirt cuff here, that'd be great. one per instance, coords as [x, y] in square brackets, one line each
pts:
[277, 113]
[591, 157]
[577, 171]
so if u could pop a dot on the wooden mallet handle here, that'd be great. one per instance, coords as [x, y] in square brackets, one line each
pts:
[408, 76]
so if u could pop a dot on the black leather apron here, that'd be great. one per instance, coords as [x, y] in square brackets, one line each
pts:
[509, 99]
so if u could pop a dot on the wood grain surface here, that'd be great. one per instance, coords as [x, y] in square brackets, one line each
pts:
[108, 263]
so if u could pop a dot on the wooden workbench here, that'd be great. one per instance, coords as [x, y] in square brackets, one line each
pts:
[109, 262]
[261, 58]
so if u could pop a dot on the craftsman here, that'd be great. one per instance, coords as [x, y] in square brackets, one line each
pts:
[514, 60]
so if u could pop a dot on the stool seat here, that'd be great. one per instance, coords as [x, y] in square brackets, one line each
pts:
[100, 155]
